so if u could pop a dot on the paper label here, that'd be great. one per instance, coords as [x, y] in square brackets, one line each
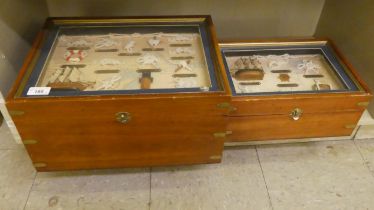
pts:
[38, 91]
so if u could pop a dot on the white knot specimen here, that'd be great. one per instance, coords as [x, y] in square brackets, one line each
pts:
[79, 43]
[148, 59]
[129, 47]
[277, 61]
[109, 83]
[105, 42]
[309, 67]
[136, 35]
[185, 82]
[183, 50]
[154, 42]
[109, 61]
[75, 56]
[181, 38]
[183, 65]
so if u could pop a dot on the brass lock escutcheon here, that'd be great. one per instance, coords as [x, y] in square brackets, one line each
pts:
[123, 117]
[296, 113]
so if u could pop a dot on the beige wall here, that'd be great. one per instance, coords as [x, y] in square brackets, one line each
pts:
[233, 19]
[19, 22]
[351, 26]
[21, 19]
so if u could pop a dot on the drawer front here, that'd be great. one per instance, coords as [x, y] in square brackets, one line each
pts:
[272, 127]
[88, 134]
[315, 103]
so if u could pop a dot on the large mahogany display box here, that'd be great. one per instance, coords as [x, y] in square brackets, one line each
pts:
[122, 92]
[150, 91]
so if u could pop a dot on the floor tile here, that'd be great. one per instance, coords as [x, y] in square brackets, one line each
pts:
[365, 132]
[317, 175]
[6, 138]
[16, 177]
[366, 119]
[237, 184]
[366, 148]
[91, 190]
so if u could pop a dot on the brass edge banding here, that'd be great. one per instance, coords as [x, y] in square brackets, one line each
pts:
[224, 105]
[16, 113]
[219, 135]
[40, 165]
[364, 104]
[280, 43]
[215, 157]
[350, 126]
[124, 20]
[29, 141]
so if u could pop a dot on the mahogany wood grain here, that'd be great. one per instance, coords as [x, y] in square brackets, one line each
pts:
[271, 127]
[309, 103]
[76, 134]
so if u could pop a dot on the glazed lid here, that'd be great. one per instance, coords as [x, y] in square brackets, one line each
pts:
[285, 67]
[111, 56]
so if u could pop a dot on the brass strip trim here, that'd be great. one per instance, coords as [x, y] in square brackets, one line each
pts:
[124, 20]
[40, 165]
[29, 141]
[280, 43]
[350, 126]
[16, 113]
[224, 105]
[219, 135]
[364, 104]
[215, 157]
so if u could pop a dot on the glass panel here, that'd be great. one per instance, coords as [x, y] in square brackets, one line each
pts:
[130, 57]
[282, 70]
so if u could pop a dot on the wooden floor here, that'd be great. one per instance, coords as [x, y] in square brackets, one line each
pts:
[314, 175]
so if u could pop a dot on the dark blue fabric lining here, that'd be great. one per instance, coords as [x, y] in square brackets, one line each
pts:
[191, 27]
[292, 50]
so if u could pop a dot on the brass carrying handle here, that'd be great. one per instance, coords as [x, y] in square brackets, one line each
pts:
[296, 113]
[123, 117]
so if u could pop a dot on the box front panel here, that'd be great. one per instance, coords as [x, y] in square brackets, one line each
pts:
[321, 103]
[272, 127]
[91, 133]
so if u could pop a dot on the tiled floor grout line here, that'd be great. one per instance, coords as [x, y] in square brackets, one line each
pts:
[263, 177]
[354, 136]
[28, 195]
[150, 189]
[359, 151]
[363, 158]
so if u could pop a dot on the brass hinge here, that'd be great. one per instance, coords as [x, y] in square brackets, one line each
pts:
[40, 165]
[350, 126]
[215, 157]
[364, 104]
[16, 113]
[30, 141]
[226, 105]
[228, 132]
[222, 134]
